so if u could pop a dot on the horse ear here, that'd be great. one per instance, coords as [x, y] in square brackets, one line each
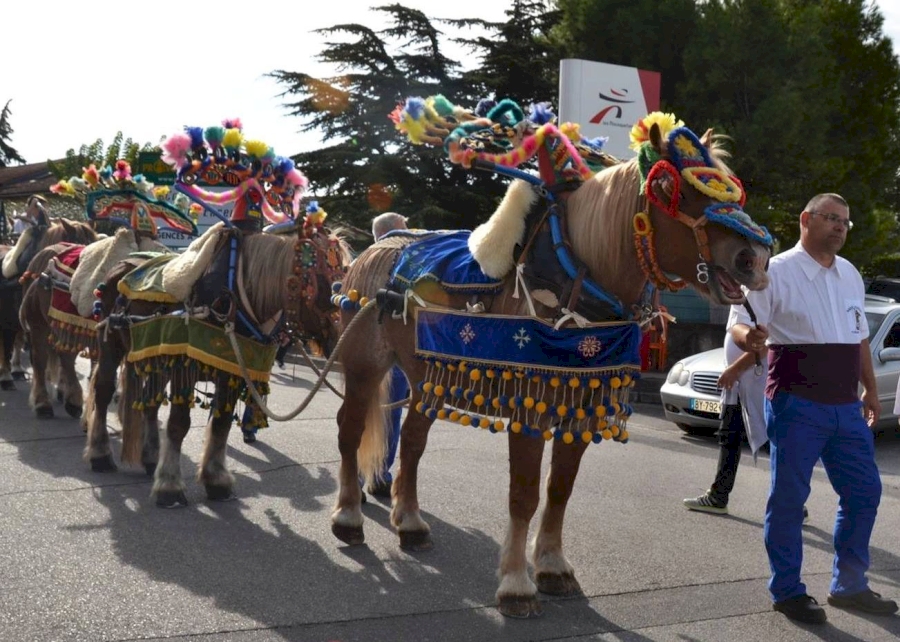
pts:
[706, 139]
[656, 139]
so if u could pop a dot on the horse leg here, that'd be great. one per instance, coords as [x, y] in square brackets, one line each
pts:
[102, 387]
[150, 445]
[73, 395]
[517, 594]
[213, 473]
[6, 376]
[360, 395]
[552, 571]
[40, 397]
[168, 486]
[18, 370]
[414, 532]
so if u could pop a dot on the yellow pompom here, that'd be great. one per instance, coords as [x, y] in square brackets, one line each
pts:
[602, 424]
[484, 422]
[594, 384]
[462, 366]
[615, 383]
[579, 413]
[547, 435]
[256, 148]
[516, 427]
[554, 382]
[607, 434]
[528, 402]
[451, 367]
[498, 426]
[232, 138]
[600, 411]
[614, 430]
[454, 415]
[626, 380]
[353, 295]
[536, 378]
[363, 301]
[428, 386]
[568, 438]
[495, 403]
[465, 420]
[475, 375]
[507, 375]
[586, 436]
[420, 406]
[439, 390]
[489, 373]
[574, 382]
[441, 414]
[540, 407]
[624, 435]
[562, 410]
[478, 400]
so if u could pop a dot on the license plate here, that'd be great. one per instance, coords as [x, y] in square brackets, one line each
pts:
[714, 407]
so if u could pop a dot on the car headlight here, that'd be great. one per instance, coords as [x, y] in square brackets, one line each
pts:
[675, 372]
[684, 377]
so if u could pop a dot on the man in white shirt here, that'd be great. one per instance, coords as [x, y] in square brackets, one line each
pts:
[812, 319]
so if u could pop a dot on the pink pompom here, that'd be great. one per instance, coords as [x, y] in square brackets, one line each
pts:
[232, 123]
[175, 149]
[123, 170]
[296, 178]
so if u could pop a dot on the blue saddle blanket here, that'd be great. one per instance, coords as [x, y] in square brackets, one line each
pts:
[442, 257]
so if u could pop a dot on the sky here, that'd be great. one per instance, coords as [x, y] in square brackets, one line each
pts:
[162, 66]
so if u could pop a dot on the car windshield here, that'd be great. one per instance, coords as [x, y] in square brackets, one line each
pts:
[874, 319]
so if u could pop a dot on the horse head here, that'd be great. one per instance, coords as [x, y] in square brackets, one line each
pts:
[695, 204]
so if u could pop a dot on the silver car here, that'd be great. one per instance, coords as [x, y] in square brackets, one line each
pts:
[691, 397]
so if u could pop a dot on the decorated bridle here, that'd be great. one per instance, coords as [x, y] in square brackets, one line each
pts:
[689, 161]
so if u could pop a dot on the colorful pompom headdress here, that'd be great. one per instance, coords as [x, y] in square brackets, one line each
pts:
[113, 194]
[262, 184]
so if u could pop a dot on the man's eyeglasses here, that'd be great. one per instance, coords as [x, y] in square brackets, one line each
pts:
[834, 218]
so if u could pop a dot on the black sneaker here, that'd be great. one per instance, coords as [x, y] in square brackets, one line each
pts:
[867, 601]
[802, 608]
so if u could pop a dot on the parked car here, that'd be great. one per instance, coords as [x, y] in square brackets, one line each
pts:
[691, 396]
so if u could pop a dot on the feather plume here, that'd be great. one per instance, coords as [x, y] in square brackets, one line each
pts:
[196, 134]
[233, 123]
[232, 139]
[91, 175]
[214, 135]
[175, 150]
[256, 148]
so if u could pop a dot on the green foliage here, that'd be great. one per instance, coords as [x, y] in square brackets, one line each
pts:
[364, 166]
[8, 154]
[100, 155]
[884, 265]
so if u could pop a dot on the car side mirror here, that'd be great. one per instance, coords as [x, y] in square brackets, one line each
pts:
[889, 354]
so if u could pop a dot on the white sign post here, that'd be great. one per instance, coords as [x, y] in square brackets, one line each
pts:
[606, 100]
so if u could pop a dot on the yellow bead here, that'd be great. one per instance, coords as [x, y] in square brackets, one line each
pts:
[439, 390]
[614, 430]
[579, 413]
[616, 408]
[586, 436]
[536, 378]
[498, 426]
[624, 435]
[600, 411]
[512, 403]
[540, 407]
[607, 434]
[441, 414]
[489, 373]
[363, 301]
[516, 427]
[454, 415]
[507, 375]
[420, 406]
[594, 384]
[465, 420]
[519, 374]
[475, 374]
[528, 402]
[353, 295]
[568, 438]
[547, 435]
[574, 382]
[601, 424]
[626, 380]
[615, 383]
[484, 423]
[479, 400]
[554, 382]
[462, 366]
[562, 410]
[451, 367]
[427, 386]
[495, 403]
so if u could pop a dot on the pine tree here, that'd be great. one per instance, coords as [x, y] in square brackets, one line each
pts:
[8, 154]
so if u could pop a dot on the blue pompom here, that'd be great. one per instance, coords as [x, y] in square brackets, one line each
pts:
[336, 287]
[347, 304]
[484, 106]
[196, 134]
[597, 438]
[415, 107]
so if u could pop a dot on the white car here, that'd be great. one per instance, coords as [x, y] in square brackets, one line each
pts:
[691, 396]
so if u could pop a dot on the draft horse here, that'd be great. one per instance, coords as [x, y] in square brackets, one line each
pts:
[17, 264]
[613, 218]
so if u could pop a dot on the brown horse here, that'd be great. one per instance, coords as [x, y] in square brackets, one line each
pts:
[268, 273]
[602, 234]
[35, 239]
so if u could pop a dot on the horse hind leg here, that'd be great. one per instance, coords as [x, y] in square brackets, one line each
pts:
[552, 571]
[73, 395]
[414, 531]
[40, 396]
[168, 485]
[6, 374]
[102, 386]
[517, 594]
[16, 367]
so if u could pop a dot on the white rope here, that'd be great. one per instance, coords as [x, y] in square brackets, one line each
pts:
[579, 320]
[520, 277]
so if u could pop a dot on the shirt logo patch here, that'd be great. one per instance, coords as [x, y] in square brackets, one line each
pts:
[855, 318]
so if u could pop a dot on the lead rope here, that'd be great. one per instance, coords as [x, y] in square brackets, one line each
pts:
[229, 330]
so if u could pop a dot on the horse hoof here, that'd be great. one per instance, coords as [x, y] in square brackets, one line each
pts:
[520, 606]
[151, 469]
[563, 584]
[171, 499]
[249, 438]
[73, 410]
[104, 464]
[44, 412]
[351, 535]
[416, 541]
[19, 376]
[219, 494]
[7, 385]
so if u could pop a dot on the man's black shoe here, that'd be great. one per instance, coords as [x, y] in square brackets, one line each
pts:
[802, 608]
[867, 601]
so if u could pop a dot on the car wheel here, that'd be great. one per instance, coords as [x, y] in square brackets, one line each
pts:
[698, 431]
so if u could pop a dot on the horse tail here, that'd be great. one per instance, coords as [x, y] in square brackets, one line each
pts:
[373, 444]
[130, 418]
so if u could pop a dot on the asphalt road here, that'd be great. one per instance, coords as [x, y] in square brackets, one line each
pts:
[87, 556]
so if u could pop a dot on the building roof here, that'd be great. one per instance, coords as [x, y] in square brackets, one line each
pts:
[21, 181]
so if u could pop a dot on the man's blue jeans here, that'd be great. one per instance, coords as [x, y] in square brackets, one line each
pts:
[800, 432]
